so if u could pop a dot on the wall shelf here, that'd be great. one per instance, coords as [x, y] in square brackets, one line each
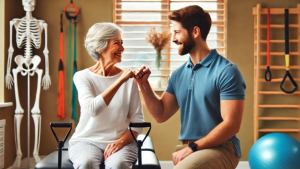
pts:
[258, 68]
[278, 80]
[279, 130]
[279, 118]
[6, 104]
[277, 93]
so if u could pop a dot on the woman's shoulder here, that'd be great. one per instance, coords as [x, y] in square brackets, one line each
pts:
[81, 74]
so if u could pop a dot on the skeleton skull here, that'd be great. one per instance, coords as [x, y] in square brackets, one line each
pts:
[28, 5]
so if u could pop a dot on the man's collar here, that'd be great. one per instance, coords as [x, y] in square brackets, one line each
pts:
[206, 61]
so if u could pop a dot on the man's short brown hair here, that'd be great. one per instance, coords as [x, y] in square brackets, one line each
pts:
[192, 16]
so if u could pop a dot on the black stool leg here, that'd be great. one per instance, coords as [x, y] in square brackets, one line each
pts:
[60, 146]
[139, 145]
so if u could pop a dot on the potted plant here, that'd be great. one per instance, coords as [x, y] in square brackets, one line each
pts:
[158, 40]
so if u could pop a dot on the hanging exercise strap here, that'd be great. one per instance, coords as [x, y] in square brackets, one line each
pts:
[69, 17]
[74, 92]
[268, 75]
[61, 87]
[287, 56]
[70, 53]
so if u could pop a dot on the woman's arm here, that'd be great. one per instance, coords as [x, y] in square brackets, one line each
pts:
[88, 101]
[135, 113]
[127, 138]
[109, 93]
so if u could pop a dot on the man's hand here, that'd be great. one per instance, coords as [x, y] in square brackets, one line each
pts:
[112, 148]
[141, 74]
[182, 154]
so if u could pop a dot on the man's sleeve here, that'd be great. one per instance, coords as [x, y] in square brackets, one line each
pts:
[170, 87]
[231, 83]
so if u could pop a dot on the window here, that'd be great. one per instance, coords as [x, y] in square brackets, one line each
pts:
[137, 17]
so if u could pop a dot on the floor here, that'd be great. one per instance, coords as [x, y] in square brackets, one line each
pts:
[170, 165]
[164, 164]
[24, 163]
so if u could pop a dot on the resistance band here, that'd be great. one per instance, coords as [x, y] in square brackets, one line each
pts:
[268, 71]
[61, 87]
[287, 56]
[69, 17]
[74, 93]
[70, 53]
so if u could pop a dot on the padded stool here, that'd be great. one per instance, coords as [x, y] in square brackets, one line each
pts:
[149, 159]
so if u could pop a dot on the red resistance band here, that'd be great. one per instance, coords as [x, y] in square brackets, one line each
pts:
[268, 39]
[268, 75]
[61, 87]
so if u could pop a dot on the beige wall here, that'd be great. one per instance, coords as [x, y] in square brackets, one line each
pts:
[164, 136]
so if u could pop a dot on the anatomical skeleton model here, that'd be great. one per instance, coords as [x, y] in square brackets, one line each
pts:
[28, 34]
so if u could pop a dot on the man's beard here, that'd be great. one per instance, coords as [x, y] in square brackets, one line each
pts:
[187, 46]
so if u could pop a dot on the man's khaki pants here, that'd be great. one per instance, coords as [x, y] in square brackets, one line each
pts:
[219, 157]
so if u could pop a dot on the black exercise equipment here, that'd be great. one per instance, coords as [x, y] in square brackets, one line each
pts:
[139, 142]
[148, 157]
[287, 56]
[60, 143]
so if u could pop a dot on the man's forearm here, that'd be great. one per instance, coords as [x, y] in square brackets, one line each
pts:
[220, 134]
[153, 103]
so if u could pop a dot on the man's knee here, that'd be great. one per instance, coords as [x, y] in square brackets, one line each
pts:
[209, 159]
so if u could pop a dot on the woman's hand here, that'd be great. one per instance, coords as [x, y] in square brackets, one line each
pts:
[126, 75]
[119, 144]
[112, 148]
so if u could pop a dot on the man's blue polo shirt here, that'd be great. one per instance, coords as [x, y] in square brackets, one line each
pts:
[199, 89]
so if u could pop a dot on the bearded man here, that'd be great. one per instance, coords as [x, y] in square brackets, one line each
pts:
[208, 89]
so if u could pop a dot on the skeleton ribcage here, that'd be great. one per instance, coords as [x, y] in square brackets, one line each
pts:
[34, 33]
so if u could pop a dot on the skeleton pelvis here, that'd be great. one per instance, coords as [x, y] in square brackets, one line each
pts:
[27, 65]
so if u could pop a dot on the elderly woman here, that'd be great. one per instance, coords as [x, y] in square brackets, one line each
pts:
[109, 99]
